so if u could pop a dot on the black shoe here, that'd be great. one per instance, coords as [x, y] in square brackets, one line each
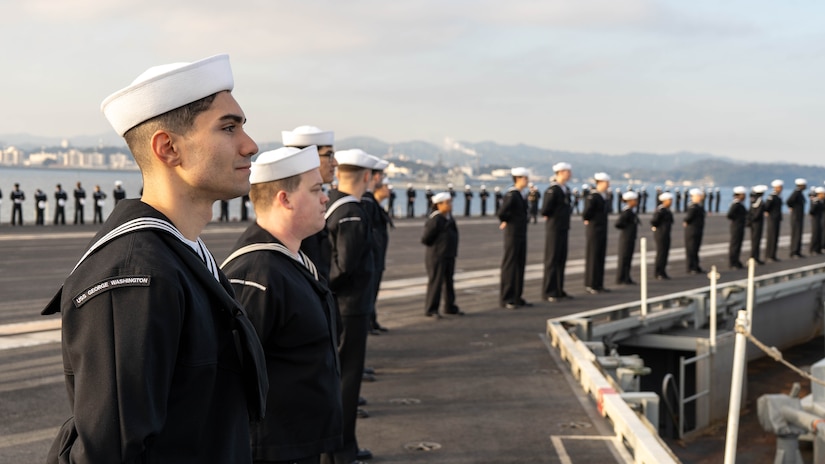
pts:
[368, 377]
[363, 454]
[759, 261]
[362, 401]
[736, 267]
[775, 259]
[434, 315]
[456, 312]
[363, 414]
[565, 295]
[524, 303]
[379, 327]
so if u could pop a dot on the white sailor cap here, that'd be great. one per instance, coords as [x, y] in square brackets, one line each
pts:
[800, 181]
[409, 185]
[389, 186]
[379, 164]
[601, 177]
[777, 183]
[520, 172]
[696, 191]
[819, 190]
[303, 136]
[497, 188]
[585, 186]
[161, 89]
[665, 196]
[530, 184]
[739, 190]
[355, 157]
[762, 188]
[631, 195]
[441, 196]
[483, 186]
[282, 163]
[562, 166]
[118, 182]
[467, 187]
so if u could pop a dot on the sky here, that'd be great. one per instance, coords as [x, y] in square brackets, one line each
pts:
[742, 79]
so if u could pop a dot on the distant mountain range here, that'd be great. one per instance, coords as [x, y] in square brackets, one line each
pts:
[649, 168]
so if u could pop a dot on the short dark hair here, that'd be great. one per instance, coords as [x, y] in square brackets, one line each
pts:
[178, 120]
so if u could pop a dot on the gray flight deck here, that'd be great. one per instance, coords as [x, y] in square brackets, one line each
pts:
[482, 388]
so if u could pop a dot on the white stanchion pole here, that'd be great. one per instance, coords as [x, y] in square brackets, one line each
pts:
[643, 279]
[739, 359]
[713, 282]
[751, 288]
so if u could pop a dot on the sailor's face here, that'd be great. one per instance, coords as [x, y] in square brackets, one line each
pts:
[216, 152]
[328, 164]
[309, 203]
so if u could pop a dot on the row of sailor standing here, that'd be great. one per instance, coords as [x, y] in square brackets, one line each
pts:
[18, 197]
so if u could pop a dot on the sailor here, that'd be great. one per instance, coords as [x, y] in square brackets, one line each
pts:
[316, 246]
[498, 198]
[643, 201]
[718, 198]
[441, 238]
[224, 217]
[628, 225]
[737, 215]
[556, 211]
[575, 196]
[380, 222]
[706, 203]
[533, 197]
[658, 196]
[410, 201]
[585, 195]
[390, 201]
[17, 198]
[79, 203]
[118, 193]
[678, 200]
[291, 307]
[40, 201]
[351, 279]
[796, 205]
[160, 360]
[483, 194]
[428, 194]
[618, 196]
[694, 224]
[756, 219]
[100, 201]
[513, 217]
[60, 198]
[816, 212]
[595, 222]
[450, 190]
[468, 198]
[685, 200]
[773, 214]
[662, 222]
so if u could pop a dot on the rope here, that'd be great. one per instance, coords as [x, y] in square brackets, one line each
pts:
[776, 355]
